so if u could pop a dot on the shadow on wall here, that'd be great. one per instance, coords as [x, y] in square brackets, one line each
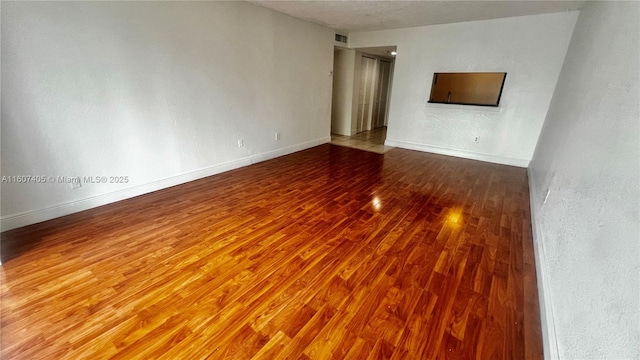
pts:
[16, 146]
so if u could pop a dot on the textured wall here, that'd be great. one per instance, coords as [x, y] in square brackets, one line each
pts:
[529, 48]
[157, 91]
[588, 157]
[341, 107]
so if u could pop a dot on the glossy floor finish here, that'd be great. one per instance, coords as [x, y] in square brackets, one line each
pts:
[372, 140]
[327, 253]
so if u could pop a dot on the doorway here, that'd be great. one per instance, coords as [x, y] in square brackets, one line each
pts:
[365, 96]
[382, 91]
[361, 91]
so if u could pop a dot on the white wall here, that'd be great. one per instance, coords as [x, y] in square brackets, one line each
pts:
[341, 107]
[588, 156]
[529, 48]
[157, 91]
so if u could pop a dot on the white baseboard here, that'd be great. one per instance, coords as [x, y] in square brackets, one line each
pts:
[458, 153]
[35, 216]
[549, 339]
[256, 158]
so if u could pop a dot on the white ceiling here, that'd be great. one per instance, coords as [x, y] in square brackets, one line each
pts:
[351, 16]
[382, 51]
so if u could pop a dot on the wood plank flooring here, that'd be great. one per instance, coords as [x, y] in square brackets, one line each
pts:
[327, 253]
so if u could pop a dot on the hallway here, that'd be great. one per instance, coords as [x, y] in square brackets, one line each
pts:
[372, 140]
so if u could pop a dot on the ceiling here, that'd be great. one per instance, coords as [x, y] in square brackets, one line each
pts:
[357, 15]
[381, 51]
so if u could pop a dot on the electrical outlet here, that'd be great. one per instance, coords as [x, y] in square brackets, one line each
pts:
[476, 139]
[277, 137]
[240, 143]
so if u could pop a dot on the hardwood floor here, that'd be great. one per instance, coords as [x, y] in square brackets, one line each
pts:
[331, 252]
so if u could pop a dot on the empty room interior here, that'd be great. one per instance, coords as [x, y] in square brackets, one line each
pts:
[320, 180]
